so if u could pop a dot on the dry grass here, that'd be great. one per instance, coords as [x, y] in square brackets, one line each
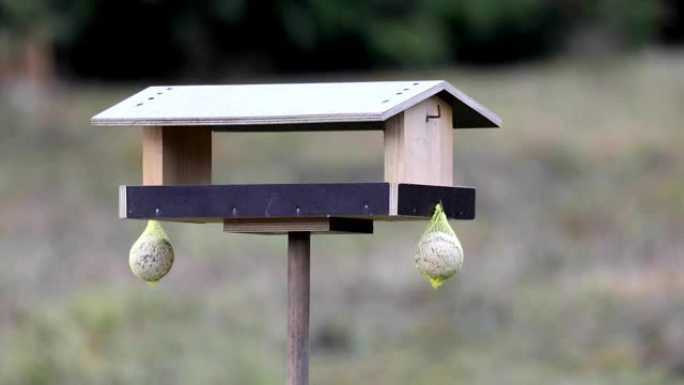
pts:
[572, 270]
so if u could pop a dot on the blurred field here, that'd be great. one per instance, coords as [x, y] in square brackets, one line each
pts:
[574, 268]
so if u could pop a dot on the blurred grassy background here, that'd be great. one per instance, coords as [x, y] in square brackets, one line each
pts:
[573, 271]
[574, 265]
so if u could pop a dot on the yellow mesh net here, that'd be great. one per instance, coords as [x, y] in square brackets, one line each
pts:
[439, 253]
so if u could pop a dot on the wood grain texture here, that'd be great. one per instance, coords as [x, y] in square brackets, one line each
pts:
[294, 201]
[293, 105]
[176, 155]
[298, 289]
[418, 145]
[287, 225]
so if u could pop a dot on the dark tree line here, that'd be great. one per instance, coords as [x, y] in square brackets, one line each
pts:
[125, 39]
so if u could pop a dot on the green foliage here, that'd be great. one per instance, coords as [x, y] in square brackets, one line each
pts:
[413, 42]
[428, 32]
[60, 21]
[23, 14]
[335, 34]
[425, 32]
[495, 31]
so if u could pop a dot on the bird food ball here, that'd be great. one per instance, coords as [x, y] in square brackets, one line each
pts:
[151, 256]
[439, 254]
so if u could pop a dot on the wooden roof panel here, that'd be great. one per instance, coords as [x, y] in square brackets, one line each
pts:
[288, 104]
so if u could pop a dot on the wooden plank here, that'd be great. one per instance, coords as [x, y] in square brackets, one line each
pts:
[441, 140]
[123, 201]
[349, 200]
[418, 145]
[394, 149]
[275, 225]
[290, 104]
[176, 155]
[257, 201]
[298, 295]
[287, 225]
[393, 198]
[153, 156]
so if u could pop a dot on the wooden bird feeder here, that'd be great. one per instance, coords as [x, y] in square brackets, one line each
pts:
[417, 118]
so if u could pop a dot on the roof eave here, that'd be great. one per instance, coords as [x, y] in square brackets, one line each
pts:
[467, 113]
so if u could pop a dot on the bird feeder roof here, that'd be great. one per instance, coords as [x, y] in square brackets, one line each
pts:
[303, 106]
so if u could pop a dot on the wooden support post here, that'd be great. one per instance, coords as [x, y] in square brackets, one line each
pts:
[418, 144]
[298, 282]
[176, 155]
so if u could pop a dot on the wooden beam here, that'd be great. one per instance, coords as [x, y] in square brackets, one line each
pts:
[418, 145]
[287, 225]
[176, 155]
[294, 201]
[298, 288]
